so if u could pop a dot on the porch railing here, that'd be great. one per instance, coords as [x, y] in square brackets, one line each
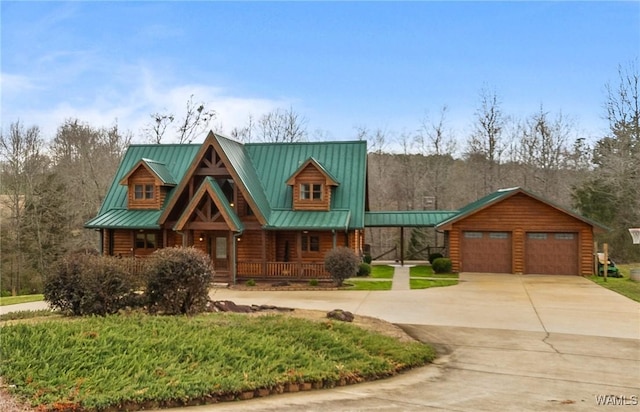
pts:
[282, 270]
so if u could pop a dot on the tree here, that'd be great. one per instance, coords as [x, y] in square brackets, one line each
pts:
[486, 143]
[86, 159]
[543, 152]
[22, 163]
[613, 194]
[277, 126]
[194, 124]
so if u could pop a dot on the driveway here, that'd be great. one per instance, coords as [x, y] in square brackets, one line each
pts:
[506, 342]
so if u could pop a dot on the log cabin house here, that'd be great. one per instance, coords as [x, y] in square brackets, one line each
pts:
[272, 211]
[266, 210]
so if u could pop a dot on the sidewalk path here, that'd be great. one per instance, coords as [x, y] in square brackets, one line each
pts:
[400, 278]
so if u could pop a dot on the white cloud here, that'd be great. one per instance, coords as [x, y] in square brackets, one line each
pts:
[130, 101]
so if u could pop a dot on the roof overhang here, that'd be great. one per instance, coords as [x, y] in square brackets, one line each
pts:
[309, 220]
[126, 219]
[406, 218]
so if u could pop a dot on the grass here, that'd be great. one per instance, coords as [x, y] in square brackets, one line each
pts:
[424, 271]
[431, 283]
[354, 284]
[624, 285]
[382, 272]
[14, 300]
[138, 361]
[28, 314]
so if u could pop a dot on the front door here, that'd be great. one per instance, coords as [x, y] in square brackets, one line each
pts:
[219, 252]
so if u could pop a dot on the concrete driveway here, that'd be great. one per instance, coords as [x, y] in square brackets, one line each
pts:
[506, 342]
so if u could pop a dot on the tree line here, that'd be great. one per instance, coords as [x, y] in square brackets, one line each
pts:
[51, 188]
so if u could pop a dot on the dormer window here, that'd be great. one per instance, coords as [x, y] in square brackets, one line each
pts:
[143, 192]
[311, 191]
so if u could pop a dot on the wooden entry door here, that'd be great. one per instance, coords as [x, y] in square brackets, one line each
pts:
[219, 252]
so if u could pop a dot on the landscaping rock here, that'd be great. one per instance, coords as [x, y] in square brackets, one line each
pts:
[342, 315]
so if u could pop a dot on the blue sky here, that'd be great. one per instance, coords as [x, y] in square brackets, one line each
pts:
[340, 65]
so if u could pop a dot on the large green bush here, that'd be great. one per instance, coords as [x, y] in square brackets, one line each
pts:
[441, 265]
[342, 263]
[178, 280]
[87, 284]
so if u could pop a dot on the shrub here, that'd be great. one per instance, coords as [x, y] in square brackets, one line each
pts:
[364, 269]
[441, 265]
[87, 284]
[251, 282]
[341, 263]
[178, 280]
[313, 282]
[434, 256]
[367, 258]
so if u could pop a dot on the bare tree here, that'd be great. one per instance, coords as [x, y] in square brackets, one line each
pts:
[194, 124]
[543, 152]
[22, 160]
[486, 143]
[86, 159]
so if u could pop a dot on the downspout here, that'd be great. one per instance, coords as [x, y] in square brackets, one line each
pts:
[334, 238]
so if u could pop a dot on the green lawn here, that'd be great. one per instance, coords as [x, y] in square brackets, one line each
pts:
[138, 361]
[382, 271]
[357, 284]
[424, 271]
[13, 300]
[624, 285]
[430, 283]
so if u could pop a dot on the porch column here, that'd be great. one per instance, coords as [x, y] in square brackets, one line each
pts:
[401, 245]
[264, 253]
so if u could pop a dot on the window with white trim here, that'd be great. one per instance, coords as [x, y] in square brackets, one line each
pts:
[310, 191]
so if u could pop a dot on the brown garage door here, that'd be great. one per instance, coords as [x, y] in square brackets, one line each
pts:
[488, 252]
[551, 253]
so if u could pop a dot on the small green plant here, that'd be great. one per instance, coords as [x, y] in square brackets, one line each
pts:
[441, 265]
[434, 256]
[364, 269]
[367, 258]
[341, 263]
[251, 282]
[313, 282]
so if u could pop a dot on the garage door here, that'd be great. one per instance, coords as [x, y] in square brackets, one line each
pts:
[551, 253]
[488, 252]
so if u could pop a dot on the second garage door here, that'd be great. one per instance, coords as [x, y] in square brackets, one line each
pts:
[488, 252]
[551, 253]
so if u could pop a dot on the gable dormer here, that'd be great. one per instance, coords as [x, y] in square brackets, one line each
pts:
[147, 184]
[311, 184]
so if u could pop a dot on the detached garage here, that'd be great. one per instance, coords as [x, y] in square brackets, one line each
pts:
[515, 231]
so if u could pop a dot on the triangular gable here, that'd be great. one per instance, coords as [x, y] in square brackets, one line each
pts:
[157, 169]
[210, 187]
[239, 168]
[501, 195]
[330, 180]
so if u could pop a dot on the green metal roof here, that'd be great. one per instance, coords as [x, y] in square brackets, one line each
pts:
[241, 163]
[263, 169]
[176, 159]
[125, 219]
[275, 163]
[406, 218]
[160, 170]
[319, 165]
[309, 220]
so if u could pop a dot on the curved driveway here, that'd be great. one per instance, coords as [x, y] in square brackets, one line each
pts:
[506, 342]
